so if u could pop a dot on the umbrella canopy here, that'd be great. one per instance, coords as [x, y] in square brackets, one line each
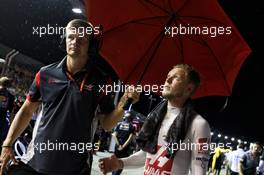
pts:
[143, 39]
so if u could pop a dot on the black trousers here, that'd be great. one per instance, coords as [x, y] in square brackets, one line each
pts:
[24, 169]
[2, 127]
[21, 169]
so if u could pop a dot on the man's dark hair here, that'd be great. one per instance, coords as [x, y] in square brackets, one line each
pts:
[128, 116]
[258, 143]
[241, 145]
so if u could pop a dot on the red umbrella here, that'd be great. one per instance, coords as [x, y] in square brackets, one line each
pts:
[143, 39]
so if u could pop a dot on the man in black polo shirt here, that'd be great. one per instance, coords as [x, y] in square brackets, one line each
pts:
[69, 97]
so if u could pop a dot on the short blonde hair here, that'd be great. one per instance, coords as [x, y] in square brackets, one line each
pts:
[192, 75]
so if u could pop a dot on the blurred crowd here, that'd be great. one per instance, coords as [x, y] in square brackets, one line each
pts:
[240, 161]
[21, 78]
[14, 84]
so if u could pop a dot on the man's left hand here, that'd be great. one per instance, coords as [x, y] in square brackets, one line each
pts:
[132, 93]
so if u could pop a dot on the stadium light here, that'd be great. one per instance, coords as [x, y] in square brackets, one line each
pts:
[77, 10]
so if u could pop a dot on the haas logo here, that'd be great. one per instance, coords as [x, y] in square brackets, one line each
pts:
[158, 164]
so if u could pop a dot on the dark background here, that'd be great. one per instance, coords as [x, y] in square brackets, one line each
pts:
[242, 117]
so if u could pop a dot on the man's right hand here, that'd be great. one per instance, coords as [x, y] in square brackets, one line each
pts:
[110, 164]
[6, 155]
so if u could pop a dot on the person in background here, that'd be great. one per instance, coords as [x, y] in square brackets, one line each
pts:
[218, 160]
[235, 158]
[250, 160]
[123, 136]
[6, 105]
[260, 168]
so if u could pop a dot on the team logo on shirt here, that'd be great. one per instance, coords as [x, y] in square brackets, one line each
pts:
[158, 164]
[54, 81]
[88, 87]
[124, 126]
[203, 147]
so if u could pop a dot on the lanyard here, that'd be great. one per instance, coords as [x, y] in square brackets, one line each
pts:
[83, 81]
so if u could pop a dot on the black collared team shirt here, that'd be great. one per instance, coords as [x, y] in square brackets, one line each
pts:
[64, 129]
